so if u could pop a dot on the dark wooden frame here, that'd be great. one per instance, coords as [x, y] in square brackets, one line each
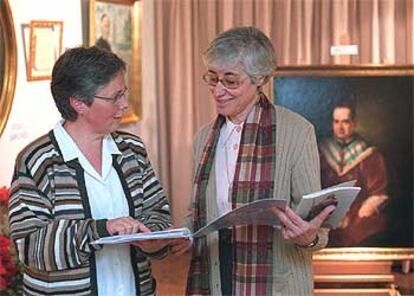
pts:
[353, 253]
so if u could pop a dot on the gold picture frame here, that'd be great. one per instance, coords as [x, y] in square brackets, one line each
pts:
[44, 49]
[116, 25]
[379, 73]
[364, 254]
[8, 62]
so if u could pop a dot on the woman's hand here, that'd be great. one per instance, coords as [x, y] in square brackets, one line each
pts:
[125, 225]
[128, 225]
[181, 246]
[154, 245]
[299, 231]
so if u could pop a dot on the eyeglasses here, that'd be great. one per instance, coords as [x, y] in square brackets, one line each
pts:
[229, 81]
[116, 99]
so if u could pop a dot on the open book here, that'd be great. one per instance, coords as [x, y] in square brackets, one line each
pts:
[127, 238]
[341, 195]
[259, 212]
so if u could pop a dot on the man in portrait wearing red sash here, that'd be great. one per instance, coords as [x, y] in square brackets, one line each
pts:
[347, 156]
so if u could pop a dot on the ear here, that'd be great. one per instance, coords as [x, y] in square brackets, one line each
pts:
[261, 81]
[77, 105]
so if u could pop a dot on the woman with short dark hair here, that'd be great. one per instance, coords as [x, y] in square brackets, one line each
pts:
[85, 180]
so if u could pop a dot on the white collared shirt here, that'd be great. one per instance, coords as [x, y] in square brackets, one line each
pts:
[107, 201]
[226, 158]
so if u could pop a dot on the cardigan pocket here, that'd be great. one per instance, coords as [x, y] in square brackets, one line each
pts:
[280, 279]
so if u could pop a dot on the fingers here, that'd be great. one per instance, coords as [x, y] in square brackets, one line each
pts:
[125, 225]
[289, 219]
[180, 246]
[294, 228]
[151, 245]
[143, 228]
[318, 220]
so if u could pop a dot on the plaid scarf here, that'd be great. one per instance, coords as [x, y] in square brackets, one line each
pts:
[253, 179]
[341, 157]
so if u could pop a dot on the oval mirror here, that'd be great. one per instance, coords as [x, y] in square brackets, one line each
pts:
[8, 62]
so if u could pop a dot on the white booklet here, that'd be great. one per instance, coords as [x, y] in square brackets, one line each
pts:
[259, 212]
[341, 195]
[127, 238]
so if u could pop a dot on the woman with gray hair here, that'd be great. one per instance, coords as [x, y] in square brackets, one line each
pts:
[85, 180]
[252, 150]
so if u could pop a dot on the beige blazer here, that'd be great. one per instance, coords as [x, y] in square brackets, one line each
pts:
[297, 173]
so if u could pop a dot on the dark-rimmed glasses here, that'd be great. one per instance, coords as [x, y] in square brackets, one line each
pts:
[229, 81]
[117, 98]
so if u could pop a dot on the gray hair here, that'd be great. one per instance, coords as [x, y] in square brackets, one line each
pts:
[246, 46]
[80, 73]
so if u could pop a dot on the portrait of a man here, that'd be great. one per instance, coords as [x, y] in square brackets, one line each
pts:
[364, 128]
[346, 156]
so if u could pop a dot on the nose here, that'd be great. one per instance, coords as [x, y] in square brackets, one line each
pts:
[123, 102]
[219, 90]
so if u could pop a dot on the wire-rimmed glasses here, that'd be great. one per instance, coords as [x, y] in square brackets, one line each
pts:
[117, 98]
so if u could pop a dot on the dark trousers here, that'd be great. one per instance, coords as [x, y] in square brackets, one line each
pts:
[226, 261]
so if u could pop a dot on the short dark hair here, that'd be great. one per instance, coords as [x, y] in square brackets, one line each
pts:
[346, 104]
[81, 72]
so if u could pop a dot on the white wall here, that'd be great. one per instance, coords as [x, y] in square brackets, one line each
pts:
[33, 112]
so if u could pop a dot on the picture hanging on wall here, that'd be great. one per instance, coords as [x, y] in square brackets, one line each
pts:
[44, 49]
[115, 25]
[371, 143]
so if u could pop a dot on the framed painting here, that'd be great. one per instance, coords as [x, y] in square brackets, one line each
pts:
[115, 25]
[375, 148]
[44, 49]
[8, 63]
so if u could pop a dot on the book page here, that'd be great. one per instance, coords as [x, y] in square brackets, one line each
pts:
[255, 213]
[127, 238]
[341, 197]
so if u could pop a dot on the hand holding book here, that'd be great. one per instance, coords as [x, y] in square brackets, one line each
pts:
[152, 246]
[341, 196]
[316, 207]
[301, 232]
[323, 208]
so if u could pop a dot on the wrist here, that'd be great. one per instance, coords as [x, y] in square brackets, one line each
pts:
[311, 244]
[101, 228]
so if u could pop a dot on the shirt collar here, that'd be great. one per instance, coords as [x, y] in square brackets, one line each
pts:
[69, 148]
[231, 125]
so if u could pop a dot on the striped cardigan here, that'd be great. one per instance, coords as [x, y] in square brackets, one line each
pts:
[50, 217]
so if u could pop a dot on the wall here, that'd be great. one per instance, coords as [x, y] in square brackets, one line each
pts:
[33, 112]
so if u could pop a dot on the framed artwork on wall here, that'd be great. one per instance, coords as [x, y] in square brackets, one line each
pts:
[382, 98]
[44, 49]
[115, 25]
[8, 62]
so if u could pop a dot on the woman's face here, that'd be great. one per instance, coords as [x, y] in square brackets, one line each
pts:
[235, 103]
[105, 113]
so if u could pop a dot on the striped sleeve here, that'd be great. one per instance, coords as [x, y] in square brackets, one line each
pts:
[44, 242]
[156, 211]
